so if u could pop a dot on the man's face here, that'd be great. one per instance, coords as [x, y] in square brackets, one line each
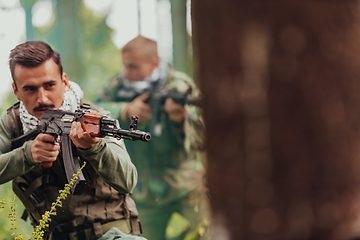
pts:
[136, 67]
[40, 88]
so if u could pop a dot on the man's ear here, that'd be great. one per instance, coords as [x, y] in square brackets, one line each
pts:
[16, 93]
[66, 82]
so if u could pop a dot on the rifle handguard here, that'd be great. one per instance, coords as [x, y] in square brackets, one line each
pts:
[100, 126]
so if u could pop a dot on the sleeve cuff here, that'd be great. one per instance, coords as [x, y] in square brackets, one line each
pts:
[95, 149]
[27, 153]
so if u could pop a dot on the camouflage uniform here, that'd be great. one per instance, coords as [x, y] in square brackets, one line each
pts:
[169, 166]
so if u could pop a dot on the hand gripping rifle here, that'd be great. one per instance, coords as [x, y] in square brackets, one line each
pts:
[157, 100]
[58, 123]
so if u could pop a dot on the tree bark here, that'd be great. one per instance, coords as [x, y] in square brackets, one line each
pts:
[280, 83]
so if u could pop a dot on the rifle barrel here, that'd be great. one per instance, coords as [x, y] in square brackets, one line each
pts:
[135, 135]
[192, 100]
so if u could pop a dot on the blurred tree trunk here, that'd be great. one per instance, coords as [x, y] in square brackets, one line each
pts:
[30, 31]
[63, 36]
[281, 83]
[66, 36]
[181, 56]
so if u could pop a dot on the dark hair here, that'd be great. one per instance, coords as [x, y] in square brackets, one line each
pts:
[32, 54]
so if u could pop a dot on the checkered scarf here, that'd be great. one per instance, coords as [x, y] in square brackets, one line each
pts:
[158, 74]
[71, 102]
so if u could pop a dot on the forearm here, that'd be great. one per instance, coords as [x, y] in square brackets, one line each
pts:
[112, 162]
[16, 163]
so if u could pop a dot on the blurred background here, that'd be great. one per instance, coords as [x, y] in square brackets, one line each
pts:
[280, 88]
[88, 34]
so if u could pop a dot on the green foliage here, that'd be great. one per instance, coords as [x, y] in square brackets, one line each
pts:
[10, 227]
[177, 226]
[201, 232]
[180, 227]
[8, 218]
[46, 217]
[2, 202]
[7, 100]
[12, 217]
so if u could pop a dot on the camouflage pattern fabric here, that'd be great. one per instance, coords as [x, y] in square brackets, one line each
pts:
[169, 166]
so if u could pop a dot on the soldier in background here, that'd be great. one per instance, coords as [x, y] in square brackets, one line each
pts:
[169, 166]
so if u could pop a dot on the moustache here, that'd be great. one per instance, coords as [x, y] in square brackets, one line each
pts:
[43, 107]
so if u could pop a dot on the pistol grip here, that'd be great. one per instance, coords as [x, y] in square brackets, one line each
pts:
[47, 164]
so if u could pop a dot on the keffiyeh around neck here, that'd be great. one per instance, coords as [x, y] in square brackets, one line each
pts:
[158, 74]
[71, 102]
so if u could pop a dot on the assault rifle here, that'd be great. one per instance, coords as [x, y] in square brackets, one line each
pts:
[58, 123]
[157, 99]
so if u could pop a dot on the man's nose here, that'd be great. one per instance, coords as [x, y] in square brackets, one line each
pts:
[42, 96]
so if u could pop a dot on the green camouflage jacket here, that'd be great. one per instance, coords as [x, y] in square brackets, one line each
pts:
[169, 166]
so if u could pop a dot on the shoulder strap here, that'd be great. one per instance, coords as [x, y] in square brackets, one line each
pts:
[133, 215]
[14, 120]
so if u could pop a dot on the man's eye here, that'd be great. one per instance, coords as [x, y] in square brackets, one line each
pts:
[132, 67]
[29, 89]
[50, 85]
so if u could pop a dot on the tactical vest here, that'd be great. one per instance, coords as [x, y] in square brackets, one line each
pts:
[98, 204]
